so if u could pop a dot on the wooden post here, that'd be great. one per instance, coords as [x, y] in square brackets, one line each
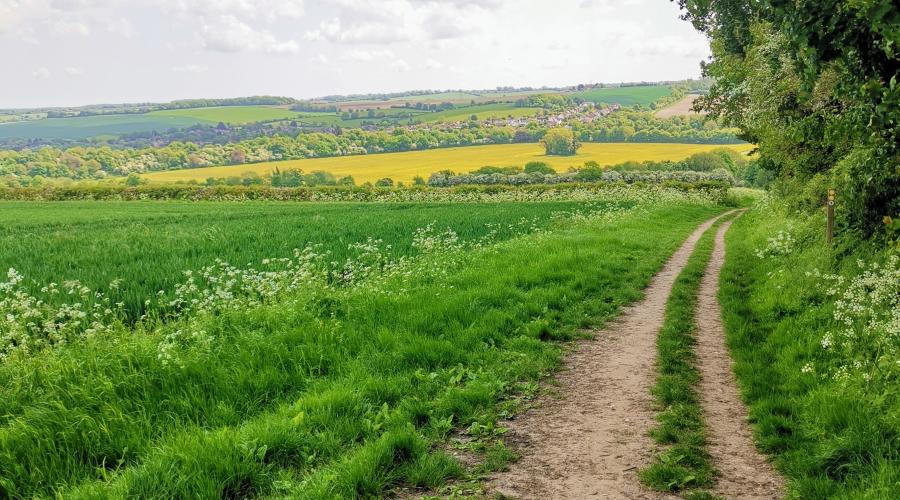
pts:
[829, 214]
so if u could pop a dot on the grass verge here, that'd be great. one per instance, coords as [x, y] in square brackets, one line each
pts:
[816, 351]
[684, 463]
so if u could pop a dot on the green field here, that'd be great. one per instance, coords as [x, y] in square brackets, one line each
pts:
[626, 96]
[437, 97]
[404, 166]
[83, 127]
[332, 391]
[459, 98]
[149, 244]
[402, 115]
[234, 115]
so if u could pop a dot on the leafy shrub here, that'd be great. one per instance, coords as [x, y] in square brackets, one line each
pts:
[538, 167]
[560, 141]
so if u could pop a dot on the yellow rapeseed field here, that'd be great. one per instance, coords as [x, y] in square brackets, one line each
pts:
[404, 166]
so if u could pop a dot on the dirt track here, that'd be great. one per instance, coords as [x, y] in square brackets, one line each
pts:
[744, 472]
[592, 441]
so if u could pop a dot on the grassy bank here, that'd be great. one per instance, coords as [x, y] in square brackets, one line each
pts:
[815, 337]
[331, 392]
[684, 462]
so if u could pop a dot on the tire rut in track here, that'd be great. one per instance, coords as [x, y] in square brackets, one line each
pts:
[592, 441]
[743, 471]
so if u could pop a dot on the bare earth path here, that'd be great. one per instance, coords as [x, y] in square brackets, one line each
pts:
[744, 472]
[591, 443]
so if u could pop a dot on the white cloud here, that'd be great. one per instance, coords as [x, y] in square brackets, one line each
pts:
[65, 27]
[121, 27]
[74, 71]
[433, 64]
[393, 21]
[668, 46]
[9, 14]
[364, 55]
[366, 32]
[268, 10]
[327, 30]
[228, 34]
[189, 68]
[41, 73]
[400, 65]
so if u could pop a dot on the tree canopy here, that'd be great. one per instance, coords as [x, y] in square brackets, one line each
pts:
[814, 84]
[560, 141]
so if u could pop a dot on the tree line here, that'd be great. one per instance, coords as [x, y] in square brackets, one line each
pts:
[21, 167]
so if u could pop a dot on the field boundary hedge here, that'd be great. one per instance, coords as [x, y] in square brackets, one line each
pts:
[717, 190]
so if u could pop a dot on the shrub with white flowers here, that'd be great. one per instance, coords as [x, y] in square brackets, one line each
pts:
[28, 324]
[783, 243]
[865, 339]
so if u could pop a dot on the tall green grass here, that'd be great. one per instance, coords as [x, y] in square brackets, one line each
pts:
[334, 394]
[834, 433]
[149, 244]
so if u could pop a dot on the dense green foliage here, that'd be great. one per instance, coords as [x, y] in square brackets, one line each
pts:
[332, 392]
[684, 463]
[719, 166]
[814, 334]
[743, 172]
[149, 244]
[590, 173]
[560, 141]
[815, 85]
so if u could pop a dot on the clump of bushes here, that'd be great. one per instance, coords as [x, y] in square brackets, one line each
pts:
[560, 141]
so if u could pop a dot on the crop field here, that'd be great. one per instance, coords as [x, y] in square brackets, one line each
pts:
[680, 108]
[404, 166]
[441, 97]
[235, 115]
[148, 244]
[482, 112]
[402, 115]
[83, 127]
[626, 96]
[347, 385]
[437, 97]
[331, 119]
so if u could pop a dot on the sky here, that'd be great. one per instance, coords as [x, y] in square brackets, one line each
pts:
[76, 52]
